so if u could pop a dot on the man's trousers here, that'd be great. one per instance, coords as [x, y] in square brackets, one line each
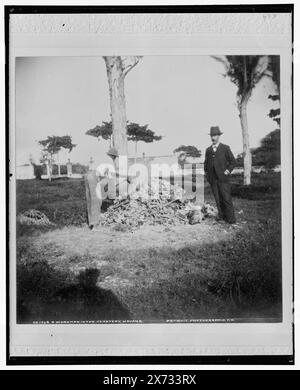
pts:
[222, 194]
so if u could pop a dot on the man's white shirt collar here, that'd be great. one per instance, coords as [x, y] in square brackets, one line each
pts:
[215, 145]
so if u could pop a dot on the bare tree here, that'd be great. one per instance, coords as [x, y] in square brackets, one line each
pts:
[117, 68]
[245, 72]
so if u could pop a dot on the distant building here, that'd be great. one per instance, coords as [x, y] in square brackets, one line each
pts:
[192, 164]
[69, 168]
[25, 172]
[74, 171]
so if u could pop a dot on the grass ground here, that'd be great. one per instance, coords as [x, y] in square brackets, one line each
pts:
[204, 271]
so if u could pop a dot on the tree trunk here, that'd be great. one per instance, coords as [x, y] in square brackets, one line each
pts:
[116, 77]
[48, 165]
[246, 143]
[135, 157]
[58, 165]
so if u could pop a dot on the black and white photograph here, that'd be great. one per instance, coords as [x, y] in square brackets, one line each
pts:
[151, 187]
[156, 243]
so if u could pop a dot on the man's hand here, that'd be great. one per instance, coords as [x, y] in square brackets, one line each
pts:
[226, 172]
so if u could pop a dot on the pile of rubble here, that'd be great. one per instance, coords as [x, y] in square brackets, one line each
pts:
[159, 189]
[161, 204]
[197, 213]
[34, 217]
[136, 212]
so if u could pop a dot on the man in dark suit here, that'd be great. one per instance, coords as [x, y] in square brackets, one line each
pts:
[218, 164]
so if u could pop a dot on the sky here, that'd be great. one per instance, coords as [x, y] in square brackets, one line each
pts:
[179, 97]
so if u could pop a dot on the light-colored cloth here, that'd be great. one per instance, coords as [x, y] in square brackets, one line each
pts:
[93, 202]
[112, 187]
[215, 146]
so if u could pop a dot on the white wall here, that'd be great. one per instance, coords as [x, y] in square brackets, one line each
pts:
[24, 172]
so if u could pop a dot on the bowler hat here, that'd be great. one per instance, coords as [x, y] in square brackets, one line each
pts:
[113, 152]
[215, 130]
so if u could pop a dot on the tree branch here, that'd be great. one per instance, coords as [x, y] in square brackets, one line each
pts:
[223, 60]
[261, 69]
[128, 68]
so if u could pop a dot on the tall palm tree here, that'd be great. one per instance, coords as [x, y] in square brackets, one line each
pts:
[245, 72]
